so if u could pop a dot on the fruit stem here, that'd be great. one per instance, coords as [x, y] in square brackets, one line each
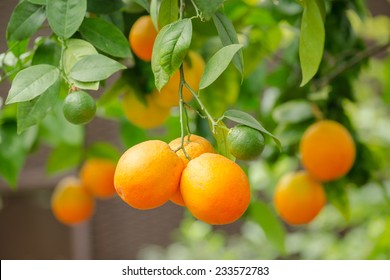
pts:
[183, 114]
[181, 11]
[202, 107]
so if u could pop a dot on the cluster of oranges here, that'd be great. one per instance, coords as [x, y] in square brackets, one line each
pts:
[327, 152]
[73, 200]
[213, 188]
[155, 108]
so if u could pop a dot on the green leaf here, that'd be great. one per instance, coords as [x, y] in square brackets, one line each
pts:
[294, 111]
[105, 36]
[94, 67]
[218, 64]
[154, 5]
[104, 6]
[386, 82]
[266, 218]
[168, 13]
[312, 38]
[228, 36]
[337, 195]
[76, 50]
[66, 16]
[103, 150]
[38, 2]
[32, 112]
[119, 87]
[170, 48]
[12, 154]
[144, 4]
[64, 157]
[32, 82]
[207, 8]
[220, 134]
[25, 21]
[49, 52]
[246, 119]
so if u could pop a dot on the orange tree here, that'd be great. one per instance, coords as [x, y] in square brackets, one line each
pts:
[218, 64]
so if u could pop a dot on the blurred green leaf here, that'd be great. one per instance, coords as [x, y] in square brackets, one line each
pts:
[271, 225]
[144, 4]
[38, 2]
[104, 6]
[103, 150]
[337, 195]
[208, 8]
[168, 13]
[312, 38]
[294, 111]
[386, 86]
[63, 158]
[130, 134]
[49, 52]
[154, 5]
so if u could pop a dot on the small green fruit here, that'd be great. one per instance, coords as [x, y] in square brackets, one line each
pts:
[245, 143]
[79, 107]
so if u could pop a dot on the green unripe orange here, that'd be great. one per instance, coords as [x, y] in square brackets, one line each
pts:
[79, 107]
[244, 142]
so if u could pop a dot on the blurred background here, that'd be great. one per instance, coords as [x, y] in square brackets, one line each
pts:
[28, 229]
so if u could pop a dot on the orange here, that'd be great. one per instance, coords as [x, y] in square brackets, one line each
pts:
[327, 150]
[215, 189]
[143, 115]
[97, 176]
[194, 147]
[169, 94]
[148, 174]
[142, 36]
[298, 198]
[71, 203]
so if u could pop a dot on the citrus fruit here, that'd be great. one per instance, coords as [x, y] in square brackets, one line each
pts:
[97, 176]
[144, 115]
[169, 94]
[71, 203]
[244, 142]
[194, 146]
[327, 150]
[148, 174]
[142, 36]
[79, 107]
[215, 189]
[298, 198]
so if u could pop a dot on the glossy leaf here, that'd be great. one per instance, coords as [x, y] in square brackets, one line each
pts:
[154, 5]
[103, 67]
[248, 120]
[220, 134]
[171, 46]
[312, 38]
[105, 36]
[25, 21]
[168, 13]
[144, 4]
[228, 36]
[66, 16]
[32, 112]
[32, 82]
[77, 49]
[272, 227]
[38, 2]
[218, 64]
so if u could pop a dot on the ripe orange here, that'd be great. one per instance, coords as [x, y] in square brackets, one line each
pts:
[148, 174]
[142, 36]
[97, 176]
[298, 198]
[215, 189]
[71, 203]
[169, 94]
[145, 116]
[327, 150]
[194, 147]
